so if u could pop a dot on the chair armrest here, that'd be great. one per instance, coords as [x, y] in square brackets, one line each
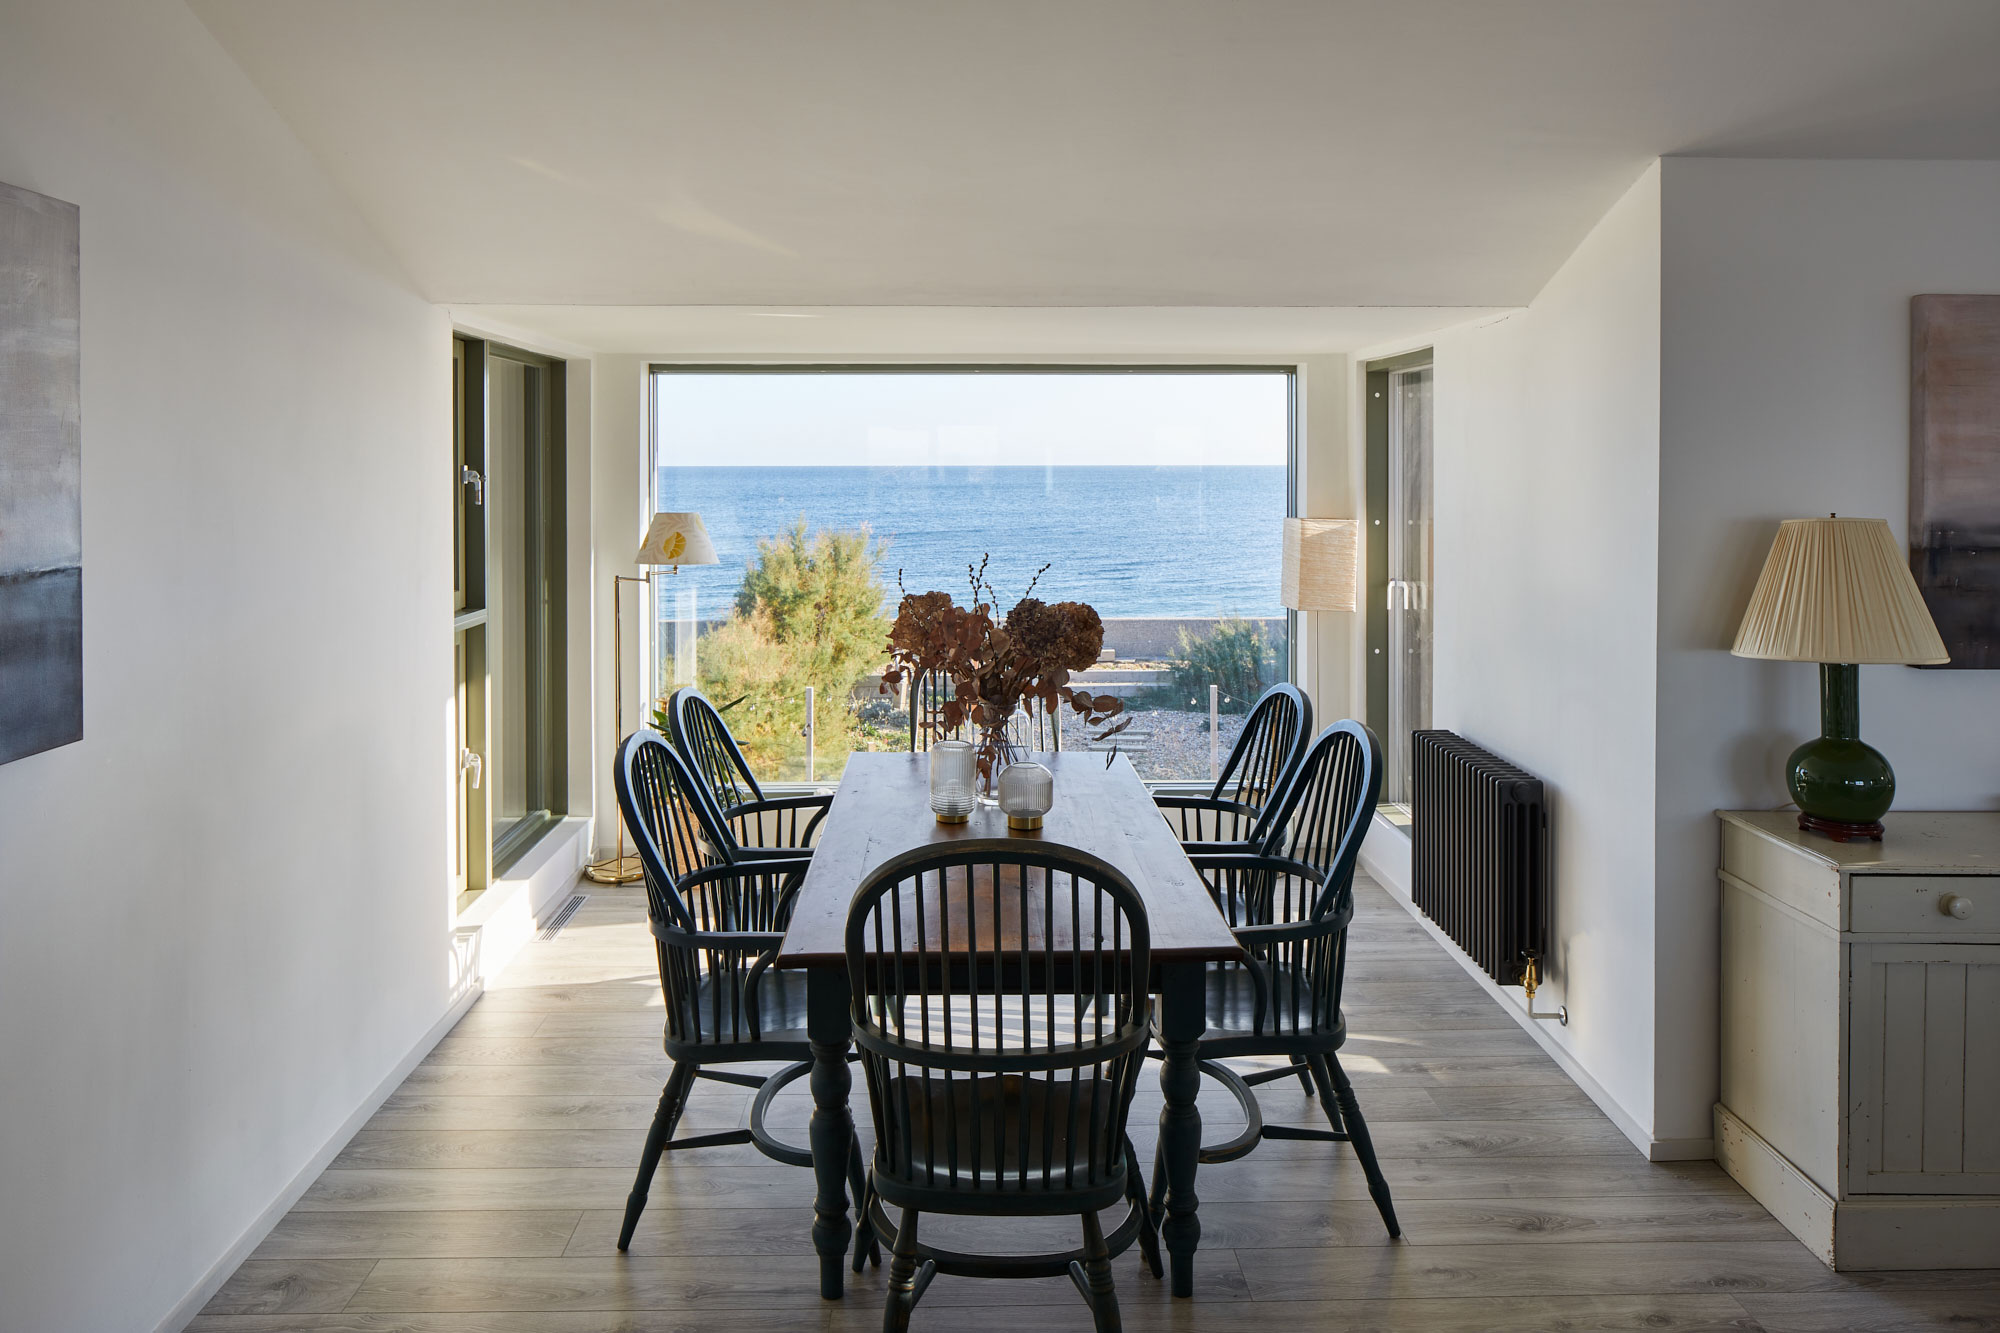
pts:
[1167, 801]
[736, 941]
[794, 864]
[1241, 847]
[751, 853]
[745, 816]
[1225, 820]
[819, 798]
[1251, 936]
[1224, 856]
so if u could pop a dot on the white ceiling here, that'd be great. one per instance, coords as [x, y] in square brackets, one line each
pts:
[1325, 153]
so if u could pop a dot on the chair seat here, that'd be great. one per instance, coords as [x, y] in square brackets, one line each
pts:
[945, 1119]
[781, 1021]
[1232, 1017]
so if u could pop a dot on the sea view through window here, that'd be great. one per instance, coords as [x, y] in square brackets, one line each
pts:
[1155, 496]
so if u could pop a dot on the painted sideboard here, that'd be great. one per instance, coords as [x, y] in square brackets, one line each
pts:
[1860, 1038]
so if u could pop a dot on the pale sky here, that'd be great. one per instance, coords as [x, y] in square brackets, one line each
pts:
[967, 420]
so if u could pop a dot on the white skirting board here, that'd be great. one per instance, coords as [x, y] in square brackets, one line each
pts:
[218, 1273]
[1385, 857]
[1901, 1232]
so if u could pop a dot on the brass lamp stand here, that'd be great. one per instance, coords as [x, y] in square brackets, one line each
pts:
[671, 541]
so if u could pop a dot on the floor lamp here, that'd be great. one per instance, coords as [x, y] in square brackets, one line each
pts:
[671, 541]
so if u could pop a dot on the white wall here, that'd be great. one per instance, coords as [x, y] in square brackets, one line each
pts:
[619, 497]
[226, 912]
[1785, 352]
[1547, 474]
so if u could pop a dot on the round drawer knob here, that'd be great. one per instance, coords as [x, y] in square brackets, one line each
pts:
[1956, 906]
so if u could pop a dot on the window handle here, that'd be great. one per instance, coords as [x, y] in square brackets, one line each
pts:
[468, 762]
[1389, 597]
[468, 476]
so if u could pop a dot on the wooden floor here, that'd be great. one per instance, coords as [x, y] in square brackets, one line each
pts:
[485, 1196]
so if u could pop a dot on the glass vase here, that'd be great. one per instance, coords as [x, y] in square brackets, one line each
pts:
[996, 750]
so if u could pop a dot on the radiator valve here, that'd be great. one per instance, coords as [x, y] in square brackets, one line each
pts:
[1531, 980]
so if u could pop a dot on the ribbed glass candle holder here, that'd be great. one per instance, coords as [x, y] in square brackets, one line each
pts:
[954, 781]
[1027, 791]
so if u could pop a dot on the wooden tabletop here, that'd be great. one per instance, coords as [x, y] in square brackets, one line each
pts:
[883, 810]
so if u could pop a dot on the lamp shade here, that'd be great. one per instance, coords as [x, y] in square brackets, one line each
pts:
[676, 539]
[1838, 590]
[1319, 563]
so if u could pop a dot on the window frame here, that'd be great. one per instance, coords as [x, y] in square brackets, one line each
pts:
[543, 547]
[1292, 372]
[1377, 414]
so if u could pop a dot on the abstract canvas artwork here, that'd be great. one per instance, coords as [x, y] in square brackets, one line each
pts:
[41, 506]
[1955, 471]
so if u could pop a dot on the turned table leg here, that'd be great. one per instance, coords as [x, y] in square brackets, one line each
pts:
[832, 1134]
[1183, 1017]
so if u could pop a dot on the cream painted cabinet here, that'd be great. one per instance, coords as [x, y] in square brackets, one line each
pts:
[1860, 1035]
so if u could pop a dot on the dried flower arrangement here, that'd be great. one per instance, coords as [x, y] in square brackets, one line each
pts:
[995, 664]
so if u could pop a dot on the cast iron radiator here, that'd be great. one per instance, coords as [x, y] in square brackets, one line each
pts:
[1480, 852]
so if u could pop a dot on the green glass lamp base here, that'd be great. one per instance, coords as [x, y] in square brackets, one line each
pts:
[1843, 786]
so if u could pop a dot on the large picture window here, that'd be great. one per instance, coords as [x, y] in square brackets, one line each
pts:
[1157, 496]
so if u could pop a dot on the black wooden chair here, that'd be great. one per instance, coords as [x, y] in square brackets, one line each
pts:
[1260, 762]
[717, 924]
[1001, 1002]
[1289, 904]
[758, 825]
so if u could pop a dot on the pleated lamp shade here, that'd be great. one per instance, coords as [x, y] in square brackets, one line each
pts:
[676, 539]
[1838, 590]
[1319, 563]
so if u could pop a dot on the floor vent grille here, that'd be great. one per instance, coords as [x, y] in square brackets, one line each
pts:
[561, 919]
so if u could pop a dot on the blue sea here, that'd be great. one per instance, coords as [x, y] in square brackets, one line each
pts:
[1131, 541]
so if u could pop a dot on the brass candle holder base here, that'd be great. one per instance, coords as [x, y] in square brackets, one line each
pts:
[954, 819]
[1024, 823]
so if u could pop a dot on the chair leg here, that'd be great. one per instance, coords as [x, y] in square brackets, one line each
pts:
[1149, 1230]
[906, 1283]
[1329, 1100]
[1093, 1278]
[673, 1100]
[1156, 1201]
[1304, 1073]
[867, 1245]
[1328, 1067]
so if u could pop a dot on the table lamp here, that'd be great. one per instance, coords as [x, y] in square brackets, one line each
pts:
[1836, 591]
[671, 540]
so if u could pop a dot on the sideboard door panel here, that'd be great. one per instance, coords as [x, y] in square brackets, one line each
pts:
[1925, 1046]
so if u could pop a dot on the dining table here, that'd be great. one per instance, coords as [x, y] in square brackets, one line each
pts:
[1101, 806]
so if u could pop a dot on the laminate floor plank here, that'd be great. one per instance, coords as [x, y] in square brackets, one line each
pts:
[721, 1282]
[409, 1235]
[1587, 1219]
[290, 1286]
[704, 1113]
[486, 1194]
[1655, 1268]
[1685, 1314]
[1893, 1311]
